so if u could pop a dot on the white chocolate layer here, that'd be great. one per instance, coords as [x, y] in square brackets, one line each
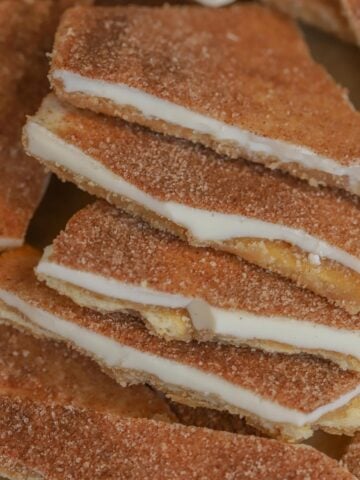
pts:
[154, 107]
[115, 354]
[7, 243]
[235, 323]
[215, 3]
[203, 225]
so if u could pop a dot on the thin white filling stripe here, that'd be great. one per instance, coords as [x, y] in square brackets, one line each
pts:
[114, 354]
[239, 324]
[154, 107]
[202, 224]
[215, 3]
[8, 242]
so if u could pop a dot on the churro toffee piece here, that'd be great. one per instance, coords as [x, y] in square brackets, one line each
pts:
[273, 220]
[109, 261]
[23, 38]
[83, 445]
[26, 34]
[339, 17]
[284, 395]
[42, 369]
[261, 97]
[351, 459]
[49, 372]
[352, 12]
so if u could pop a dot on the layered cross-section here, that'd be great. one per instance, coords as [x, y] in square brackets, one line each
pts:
[275, 221]
[285, 395]
[260, 97]
[109, 261]
[49, 372]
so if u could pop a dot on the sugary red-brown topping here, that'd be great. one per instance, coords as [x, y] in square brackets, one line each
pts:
[170, 169]
[71, 443]
[300, 382]
[246, 66]
[102, 240]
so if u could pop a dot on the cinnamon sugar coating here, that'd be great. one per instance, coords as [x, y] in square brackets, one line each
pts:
[300, 382]
[175, 170]
[351, 459]
[23, 39]
[102, 240]
[276, 90]
[49, 372]
[330, 279]
[65, 443]
[26, 33]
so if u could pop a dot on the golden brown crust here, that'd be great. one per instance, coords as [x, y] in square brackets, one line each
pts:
[176, 324]
[304, 101]
[169, 265]
[331, 280]
[173, 170]
[78, 444]
[300, 382]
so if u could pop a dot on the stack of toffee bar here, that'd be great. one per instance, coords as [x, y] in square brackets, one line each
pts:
[211, 329]
[221, 263]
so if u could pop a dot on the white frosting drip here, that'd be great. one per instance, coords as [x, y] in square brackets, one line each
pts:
[114, 354]
[203, 225]
[236, 323]
[154, 107]
[8, 242]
